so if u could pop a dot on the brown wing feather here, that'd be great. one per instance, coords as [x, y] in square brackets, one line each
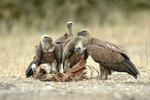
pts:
[68, 50]
[62, 39]
[60, 42]
[102, 54]
[57, 53]
[69, 47]
[38, 54]
[107, 44]
[111, 59]
[57, 56]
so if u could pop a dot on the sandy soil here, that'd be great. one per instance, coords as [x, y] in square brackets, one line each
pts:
[119, 86]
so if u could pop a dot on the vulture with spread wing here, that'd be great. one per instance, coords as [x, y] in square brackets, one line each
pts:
[46, 52]
[74, 51]
[108, 55]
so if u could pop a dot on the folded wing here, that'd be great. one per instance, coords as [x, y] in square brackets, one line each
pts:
[112, 59]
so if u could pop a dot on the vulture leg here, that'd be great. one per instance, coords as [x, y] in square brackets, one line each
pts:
[58, 68]
[107, 72]
[104, 72]
[55, 66]
[101, 71]
[66, 66]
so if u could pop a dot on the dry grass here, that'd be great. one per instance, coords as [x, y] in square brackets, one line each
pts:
[17, 50]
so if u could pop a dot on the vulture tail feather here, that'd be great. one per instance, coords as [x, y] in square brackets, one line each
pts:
[29, 71]
[135, 69]
[131, 69]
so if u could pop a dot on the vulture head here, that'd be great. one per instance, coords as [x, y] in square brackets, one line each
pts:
[79, 47]
[69, 26]
[46, 38]
[85, 33]
[47, 43]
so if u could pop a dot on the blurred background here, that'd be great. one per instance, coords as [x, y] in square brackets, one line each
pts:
[125, 23]
[51, 15]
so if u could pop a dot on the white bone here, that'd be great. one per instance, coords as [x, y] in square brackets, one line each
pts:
[34, 68]
[47, 68]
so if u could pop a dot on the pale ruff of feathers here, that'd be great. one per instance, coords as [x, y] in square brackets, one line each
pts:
[46, 47]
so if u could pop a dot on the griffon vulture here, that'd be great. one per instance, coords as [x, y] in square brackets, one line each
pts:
[108, 55]
[60, 42]
[63, 40]
[46, 52]
[74, 51]
[70, 32]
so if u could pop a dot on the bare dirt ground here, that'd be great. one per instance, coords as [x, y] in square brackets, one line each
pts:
[119, 86]
[16, 51]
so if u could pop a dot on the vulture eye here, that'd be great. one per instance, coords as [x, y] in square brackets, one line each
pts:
[45, 37]
[84, 31]
[69, 24]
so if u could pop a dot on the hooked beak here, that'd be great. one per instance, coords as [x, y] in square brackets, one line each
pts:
[69, 25]
[77, 49]
[80, 33]
[49, 39]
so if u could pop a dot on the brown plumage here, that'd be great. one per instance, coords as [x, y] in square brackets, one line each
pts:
[63, 40]
[60, 42]
[70, 32]
[74, 51]
[67, 35]
[48, 56]
[46, 52]
[109, 56]
[107, 44]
